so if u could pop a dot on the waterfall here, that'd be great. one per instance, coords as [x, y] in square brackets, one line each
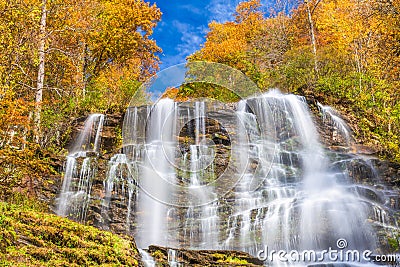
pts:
[299, 203]
[120, 187]
[147, 259]
[242, 176]
[89, 138]
[134, 133]
[173, 259]
[202, 217]
[339, 126]
[156, 175]
[80, 169]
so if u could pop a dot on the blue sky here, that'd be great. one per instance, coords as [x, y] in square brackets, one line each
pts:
[184, 25]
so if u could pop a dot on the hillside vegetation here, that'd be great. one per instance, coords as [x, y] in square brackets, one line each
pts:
[345, 53]
[32, 238]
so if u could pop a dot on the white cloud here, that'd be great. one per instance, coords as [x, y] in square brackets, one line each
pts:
[191, 37]
[190, 42]
[180, 26]
[223, 10]
[189, 33]
[192, 9]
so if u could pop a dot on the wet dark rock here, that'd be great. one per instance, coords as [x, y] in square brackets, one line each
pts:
[340, 149]
[363, 150]
[198, 258]
[388, 171]
[48, 188]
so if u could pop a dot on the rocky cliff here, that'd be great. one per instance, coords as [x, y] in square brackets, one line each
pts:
[220, 126]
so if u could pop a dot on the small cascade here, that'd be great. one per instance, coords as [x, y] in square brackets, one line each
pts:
[173, 259]
[89, 138]
[131, 133]
[339, 128]
[380, 215]
[120, 189]
[202, 215]
[80, 169]
[134, 133]
[147, 259]
[378, 199]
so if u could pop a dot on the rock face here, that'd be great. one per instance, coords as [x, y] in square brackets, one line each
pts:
[47, 188]
[220, 126]
[197, 258]
[389, 171]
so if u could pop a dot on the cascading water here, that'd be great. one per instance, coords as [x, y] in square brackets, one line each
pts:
[172, 258]
[202, 217]
[134, 134]
[147, 259]
[281, 189]
[330, 116]
[156, 175]
[300, 204]
[80, 168]
[120, 186]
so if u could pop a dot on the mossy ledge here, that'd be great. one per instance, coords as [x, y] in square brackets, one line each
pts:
[32, 238]
[201, 258]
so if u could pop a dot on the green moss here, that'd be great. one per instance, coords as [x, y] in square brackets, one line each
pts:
[157, 254]
[394, 243]
[32, 238]
[118, 137]
[235, 260]
[228, 259]
[218, 256]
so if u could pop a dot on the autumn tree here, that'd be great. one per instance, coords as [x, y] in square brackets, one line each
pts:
[41, 69]
[353, 38]
[64, 58]
[56, 51]
[232, 43]
[251, 43]
[120, 52]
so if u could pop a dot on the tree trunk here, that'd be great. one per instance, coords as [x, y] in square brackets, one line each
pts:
[85, 69]
[312, 35]
[40, 78]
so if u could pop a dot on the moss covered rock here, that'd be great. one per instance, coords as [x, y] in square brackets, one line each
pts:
[31, 238]
[200, 258]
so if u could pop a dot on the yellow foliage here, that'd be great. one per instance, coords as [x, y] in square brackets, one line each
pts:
[354, 64]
